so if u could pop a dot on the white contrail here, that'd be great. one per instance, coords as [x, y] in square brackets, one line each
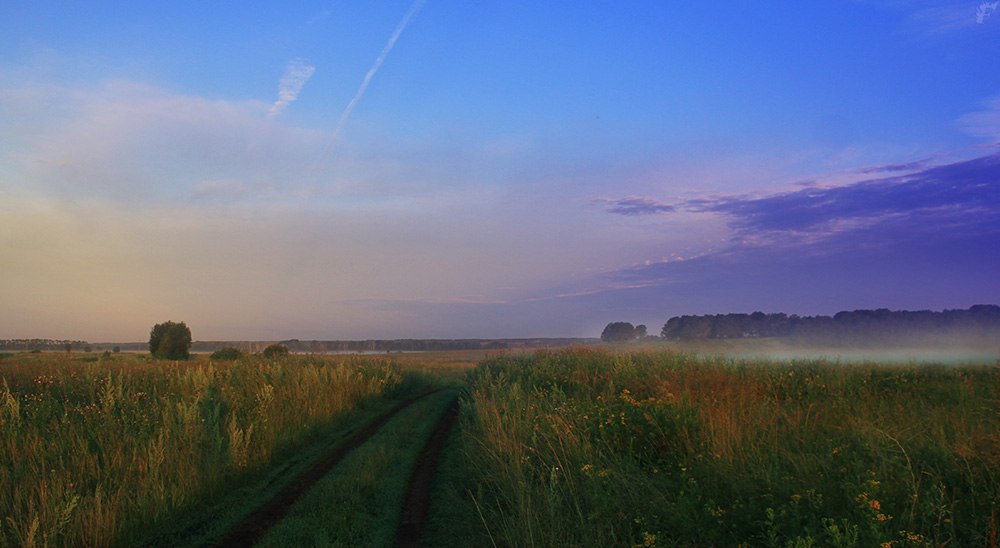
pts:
[984, 11]
[296, 76]
[417, 4]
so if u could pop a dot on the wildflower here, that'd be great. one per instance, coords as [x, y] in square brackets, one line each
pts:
[648, 539]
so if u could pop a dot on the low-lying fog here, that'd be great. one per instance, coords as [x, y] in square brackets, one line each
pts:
[958, 352]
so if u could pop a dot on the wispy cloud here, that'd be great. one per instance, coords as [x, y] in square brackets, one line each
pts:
[636, 205]
[894, 168]
[297, 73]
[985, 122]
[984, 11]
[414, 8]
[936, 18]
[136, 144]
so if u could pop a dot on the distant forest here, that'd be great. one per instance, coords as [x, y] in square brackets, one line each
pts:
[980, 322]
[425, 345]
[43, 344]
[313, 346]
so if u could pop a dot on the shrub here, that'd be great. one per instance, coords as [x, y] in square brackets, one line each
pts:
[226, 354]
[275, 351]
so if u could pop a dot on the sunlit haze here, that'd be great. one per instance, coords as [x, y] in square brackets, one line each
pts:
[440, 169]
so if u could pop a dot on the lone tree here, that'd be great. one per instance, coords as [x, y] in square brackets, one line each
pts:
[170, 341]
[618, 332]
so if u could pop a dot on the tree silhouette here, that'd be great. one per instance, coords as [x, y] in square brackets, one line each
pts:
[618, 332]
[170, 341]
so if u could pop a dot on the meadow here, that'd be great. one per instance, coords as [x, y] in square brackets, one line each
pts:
[600, 448]
[581, 446]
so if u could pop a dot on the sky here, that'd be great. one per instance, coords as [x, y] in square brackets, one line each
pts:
[442, 169]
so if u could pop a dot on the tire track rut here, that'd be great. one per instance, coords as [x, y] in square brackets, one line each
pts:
[419, 492]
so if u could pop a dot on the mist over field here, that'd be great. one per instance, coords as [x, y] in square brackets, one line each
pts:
[961, 351]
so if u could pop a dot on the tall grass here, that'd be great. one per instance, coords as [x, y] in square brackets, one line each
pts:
[598, 448]
[102, 453]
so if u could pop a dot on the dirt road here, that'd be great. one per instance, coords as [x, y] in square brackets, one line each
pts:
[256, 524]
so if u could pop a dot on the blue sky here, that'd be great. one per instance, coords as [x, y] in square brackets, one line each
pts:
[451, 169]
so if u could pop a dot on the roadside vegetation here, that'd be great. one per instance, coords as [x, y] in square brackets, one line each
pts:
[108, 451]
[599, 448]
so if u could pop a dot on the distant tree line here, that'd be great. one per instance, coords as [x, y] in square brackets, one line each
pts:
[881, 325]
[424, 345]
[384, 345]
[41, 344]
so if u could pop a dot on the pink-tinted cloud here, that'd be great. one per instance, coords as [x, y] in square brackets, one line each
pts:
[636, 205]
[965, 192]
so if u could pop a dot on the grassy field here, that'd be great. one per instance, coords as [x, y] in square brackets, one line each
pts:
[584, 447]
[601, 448]
[100, 451]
